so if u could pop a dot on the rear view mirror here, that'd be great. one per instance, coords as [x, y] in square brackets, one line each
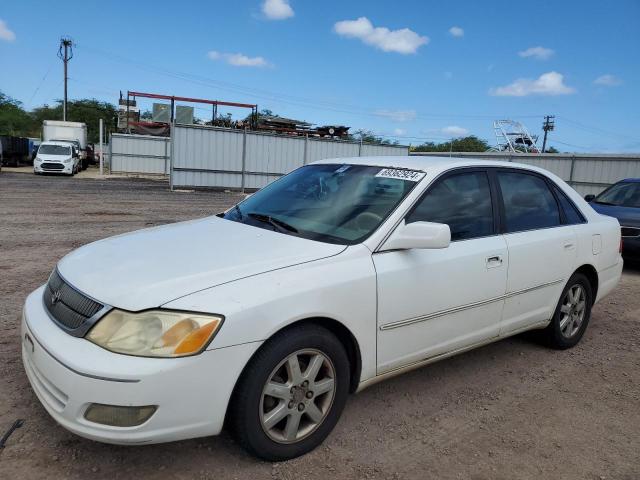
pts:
[589, 197]
[418, 235]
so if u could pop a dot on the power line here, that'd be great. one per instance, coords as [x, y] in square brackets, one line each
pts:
[28, 104]
[283, 98]
[591, 129]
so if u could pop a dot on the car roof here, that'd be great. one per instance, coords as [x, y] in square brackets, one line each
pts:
[432, 165]
[630, 180]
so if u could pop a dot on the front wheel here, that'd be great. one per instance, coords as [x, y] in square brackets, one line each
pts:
[291, 394]
[572, 313]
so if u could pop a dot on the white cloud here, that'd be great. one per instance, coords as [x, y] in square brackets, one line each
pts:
[551, 83]
[454, 131]
[608, 80]
[399, 131]
[277, 9]
[238, 59]
[539, 53]
[404, 41]
[397, 115]
[6, 33]
[456, 32]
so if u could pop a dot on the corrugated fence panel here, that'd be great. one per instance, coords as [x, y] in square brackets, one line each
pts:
[204, 157]
[383, 150]
[605, 171]
[560, 166]
[270, 156]
[586, 173]
[215, 157]
[322, 149]
[139, 154]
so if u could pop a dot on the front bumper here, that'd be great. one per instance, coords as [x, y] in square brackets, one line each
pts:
[68, 374]
[631, 248]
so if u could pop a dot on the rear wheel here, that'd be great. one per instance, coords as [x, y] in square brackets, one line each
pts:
[291, 394]
[572, 313]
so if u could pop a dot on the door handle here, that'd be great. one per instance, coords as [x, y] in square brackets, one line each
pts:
[569, 246]
[494, 261]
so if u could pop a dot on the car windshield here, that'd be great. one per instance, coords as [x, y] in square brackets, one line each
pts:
[626, 194]
[54, 150]
[333, 203]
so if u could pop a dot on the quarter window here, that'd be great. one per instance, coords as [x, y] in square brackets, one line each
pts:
[462, 201]
[571, 213]
[528, 202]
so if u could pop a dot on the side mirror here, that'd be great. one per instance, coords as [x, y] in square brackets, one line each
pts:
[590, 197]
[418, 235]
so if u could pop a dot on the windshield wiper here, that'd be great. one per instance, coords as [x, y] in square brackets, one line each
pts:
[604, 203]
[278, 224]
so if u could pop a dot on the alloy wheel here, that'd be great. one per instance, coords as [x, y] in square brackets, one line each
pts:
[573, 310]
[297, 396]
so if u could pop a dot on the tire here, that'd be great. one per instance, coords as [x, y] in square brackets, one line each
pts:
[260, 421]
[569, 321]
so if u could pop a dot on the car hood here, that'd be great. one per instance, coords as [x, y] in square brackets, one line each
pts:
[150, 267]
[627, 216]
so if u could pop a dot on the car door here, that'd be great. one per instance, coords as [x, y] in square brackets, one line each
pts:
[439, 300]
[542, 248]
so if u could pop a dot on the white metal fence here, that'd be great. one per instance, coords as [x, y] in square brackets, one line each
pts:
[586, 173]
[142, 154]
[214, 157]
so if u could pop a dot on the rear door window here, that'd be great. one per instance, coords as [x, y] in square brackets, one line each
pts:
[528, 202]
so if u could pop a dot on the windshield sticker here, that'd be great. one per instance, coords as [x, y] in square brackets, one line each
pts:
[400, 174]
[343, 168]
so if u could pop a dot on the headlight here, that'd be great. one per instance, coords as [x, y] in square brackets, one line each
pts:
[155, 333]
[67, 160]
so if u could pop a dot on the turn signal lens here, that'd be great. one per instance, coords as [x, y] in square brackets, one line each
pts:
[194, 340]
[155, 333]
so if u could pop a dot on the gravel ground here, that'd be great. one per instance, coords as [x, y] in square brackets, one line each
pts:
[513, 409]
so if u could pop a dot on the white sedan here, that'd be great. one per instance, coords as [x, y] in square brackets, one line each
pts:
[338, 275]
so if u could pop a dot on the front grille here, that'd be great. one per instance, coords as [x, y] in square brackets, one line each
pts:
[66, 305]
[52, 166]
[630, 232]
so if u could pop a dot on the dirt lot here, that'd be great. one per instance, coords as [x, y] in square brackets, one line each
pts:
[509, 410]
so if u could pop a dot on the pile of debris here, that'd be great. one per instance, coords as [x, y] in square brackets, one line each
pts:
[291, 126]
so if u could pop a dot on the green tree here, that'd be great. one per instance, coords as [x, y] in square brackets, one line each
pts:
[14, 120]
[552, 150]
[465, 144]
[367, 136]
[89, 111]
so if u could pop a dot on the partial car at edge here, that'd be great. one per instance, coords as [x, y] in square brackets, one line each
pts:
[622, 201]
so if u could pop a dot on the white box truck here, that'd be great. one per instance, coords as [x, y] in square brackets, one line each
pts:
[74, 132]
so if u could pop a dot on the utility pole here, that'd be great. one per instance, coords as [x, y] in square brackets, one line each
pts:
[65, 53]
[547, 126]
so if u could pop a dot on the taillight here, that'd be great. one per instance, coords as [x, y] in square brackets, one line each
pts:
[620, 247]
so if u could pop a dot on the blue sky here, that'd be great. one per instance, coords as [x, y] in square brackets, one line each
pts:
[416, 70]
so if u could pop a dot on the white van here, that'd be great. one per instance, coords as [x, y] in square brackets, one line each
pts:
[56, 157]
